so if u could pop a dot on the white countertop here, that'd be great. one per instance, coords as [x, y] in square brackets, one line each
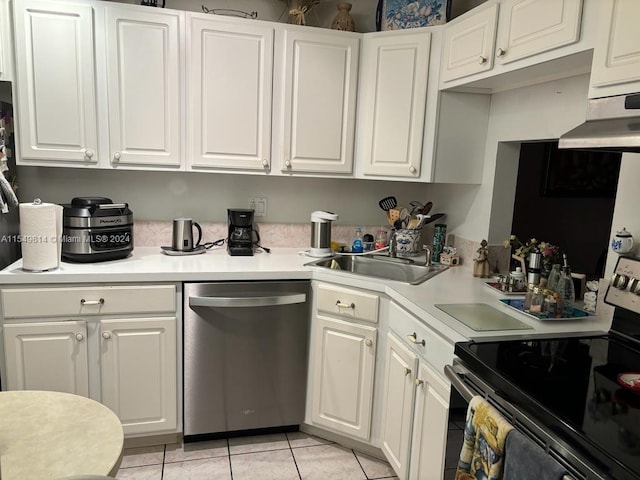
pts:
[456, 285]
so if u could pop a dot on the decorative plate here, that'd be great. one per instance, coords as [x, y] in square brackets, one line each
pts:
[630, 380]
[402, 14]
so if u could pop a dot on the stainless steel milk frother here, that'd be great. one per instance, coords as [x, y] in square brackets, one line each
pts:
[183, 234]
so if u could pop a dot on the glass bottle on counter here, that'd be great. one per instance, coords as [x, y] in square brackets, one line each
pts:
[554, 277]
[566, 290]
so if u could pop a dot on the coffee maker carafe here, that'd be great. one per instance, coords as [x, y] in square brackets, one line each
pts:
[240, 239]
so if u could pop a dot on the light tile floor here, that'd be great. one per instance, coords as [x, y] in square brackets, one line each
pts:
[284, 456]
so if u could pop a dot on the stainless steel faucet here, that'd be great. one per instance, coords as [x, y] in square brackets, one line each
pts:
[393, 244]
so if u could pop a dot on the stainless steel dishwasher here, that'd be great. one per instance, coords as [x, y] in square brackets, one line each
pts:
[245, 356]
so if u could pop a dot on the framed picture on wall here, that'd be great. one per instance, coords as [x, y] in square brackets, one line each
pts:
[402, 14]
[578, 173]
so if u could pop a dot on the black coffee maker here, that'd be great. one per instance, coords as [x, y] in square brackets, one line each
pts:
[240, 239]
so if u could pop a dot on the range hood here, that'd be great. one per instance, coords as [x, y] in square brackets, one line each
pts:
[613, 124]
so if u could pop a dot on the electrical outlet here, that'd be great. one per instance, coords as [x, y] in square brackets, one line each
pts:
[259, 205]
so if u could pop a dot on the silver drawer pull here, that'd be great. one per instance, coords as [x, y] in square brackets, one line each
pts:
[407, 371]
[92, 302]
[339, 304]
[413, 338]
[418, 382]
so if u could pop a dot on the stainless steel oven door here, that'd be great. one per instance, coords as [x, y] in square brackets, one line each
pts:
[468, 385]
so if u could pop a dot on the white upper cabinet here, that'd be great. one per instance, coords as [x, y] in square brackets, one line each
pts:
[6, 62]
[230, 67]
[616, 56]
[109, 96]
[392, 102]
[529, 27]
[143, 85]
[469, 44]
[55, 74]
[315, 81]
[504, 36]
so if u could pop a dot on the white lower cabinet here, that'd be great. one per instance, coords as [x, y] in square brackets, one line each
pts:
[115, 344]
[138, 361]
[342, 360]
[343, 376]
[399, 394]
[47, 356]
[415, 407]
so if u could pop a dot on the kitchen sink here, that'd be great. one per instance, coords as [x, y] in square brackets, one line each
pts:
[388, 268]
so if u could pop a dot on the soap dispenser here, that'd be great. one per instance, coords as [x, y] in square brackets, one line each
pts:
[356, 246]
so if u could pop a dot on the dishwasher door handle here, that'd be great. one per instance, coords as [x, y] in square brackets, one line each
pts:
[259, 301]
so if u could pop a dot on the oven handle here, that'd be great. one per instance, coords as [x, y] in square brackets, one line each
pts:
[453, 372]
[266, 301]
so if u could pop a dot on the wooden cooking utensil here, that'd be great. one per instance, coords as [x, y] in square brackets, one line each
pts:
[426, 208]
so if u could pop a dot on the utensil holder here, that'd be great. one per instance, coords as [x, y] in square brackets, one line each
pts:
[407, 242]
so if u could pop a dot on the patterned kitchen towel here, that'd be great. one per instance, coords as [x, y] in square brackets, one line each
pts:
[485, 432]
[524, 460]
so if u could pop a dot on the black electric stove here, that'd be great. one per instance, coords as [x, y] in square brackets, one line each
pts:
[574, 387]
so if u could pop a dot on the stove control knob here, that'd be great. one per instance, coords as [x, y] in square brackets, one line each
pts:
[620, 281]
[634, 286]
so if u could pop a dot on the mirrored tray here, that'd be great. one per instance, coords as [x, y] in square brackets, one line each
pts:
[518, 305]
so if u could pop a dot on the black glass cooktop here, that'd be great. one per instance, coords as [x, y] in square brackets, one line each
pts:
[571, 386]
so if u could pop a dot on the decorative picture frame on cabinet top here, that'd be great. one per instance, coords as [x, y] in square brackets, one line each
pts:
[402, 14]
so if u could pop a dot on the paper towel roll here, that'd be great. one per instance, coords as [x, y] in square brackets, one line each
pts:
[41, 236]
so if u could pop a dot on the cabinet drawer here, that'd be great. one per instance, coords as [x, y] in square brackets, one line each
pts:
[436, 350]
[348, 303]
[86, 301]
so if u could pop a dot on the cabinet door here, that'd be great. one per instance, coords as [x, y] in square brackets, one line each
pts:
[230, 67]
[5, 41]
[138, 360]
[47, 356]
[143, 84]
[343, 370]
[56, 82]
[528, 27]
[469, 44]
[616, 56]
[397, 410]
[393, 91]
[430, 425]
[316, 78]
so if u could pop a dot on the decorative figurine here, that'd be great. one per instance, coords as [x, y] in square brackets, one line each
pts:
[481, 262]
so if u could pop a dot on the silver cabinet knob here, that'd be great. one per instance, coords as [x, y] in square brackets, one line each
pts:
[412, 169]
[368, 342]
[418, 382]
[265, 162]
[116, 157]
[407, 371]
[79, 337]
[482, 59]
[500, 52]
[88, 153]
[106, 335]
[287, 164]
[413, 338]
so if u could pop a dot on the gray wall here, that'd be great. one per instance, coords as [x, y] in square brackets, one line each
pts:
[206, 196]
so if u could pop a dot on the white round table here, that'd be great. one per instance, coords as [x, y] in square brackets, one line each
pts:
[52, 435]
